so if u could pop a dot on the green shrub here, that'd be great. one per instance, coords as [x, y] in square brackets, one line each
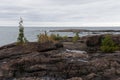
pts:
[64, 37]
[56, 37]
[76, 37]
[48, 38]
[53, 36]
[42, 38]
[108, 45]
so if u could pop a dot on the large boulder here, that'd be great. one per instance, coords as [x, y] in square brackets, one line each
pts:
[93, 41]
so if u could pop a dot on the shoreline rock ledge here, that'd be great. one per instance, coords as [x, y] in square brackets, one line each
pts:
[48, 61]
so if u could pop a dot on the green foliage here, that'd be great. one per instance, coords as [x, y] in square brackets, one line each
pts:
[25, 40]
[21, 38]
[53, 36]
[76, 37]
[64, 37]
[56, 37]
[108, 45]
[42, 38]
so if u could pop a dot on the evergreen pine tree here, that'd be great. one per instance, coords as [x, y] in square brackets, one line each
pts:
[21, 38]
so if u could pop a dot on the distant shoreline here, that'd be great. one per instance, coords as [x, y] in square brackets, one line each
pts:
[83, 30]
[32, 32]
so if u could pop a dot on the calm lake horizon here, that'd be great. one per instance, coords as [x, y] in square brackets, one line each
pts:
[10, 34]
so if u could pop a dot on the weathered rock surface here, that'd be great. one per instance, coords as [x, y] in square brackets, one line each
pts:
[93, 42]
[75, 78]
[50, 61]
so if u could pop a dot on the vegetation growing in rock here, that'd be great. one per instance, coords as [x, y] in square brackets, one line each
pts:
[56, 37]
[64, 37]
[42, 38]
[108, 45]
[76, 37]
[21, 38]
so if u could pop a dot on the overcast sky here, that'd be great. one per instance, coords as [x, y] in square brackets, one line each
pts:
[60, 12]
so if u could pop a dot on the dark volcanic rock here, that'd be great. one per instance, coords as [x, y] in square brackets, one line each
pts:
[75, 78]
[48, 61]
[93, 42]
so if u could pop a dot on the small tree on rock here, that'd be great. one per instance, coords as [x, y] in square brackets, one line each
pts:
[21, 38]
[76, 37]
[108, 45]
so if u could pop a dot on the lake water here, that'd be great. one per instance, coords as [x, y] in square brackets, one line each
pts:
[9, 34]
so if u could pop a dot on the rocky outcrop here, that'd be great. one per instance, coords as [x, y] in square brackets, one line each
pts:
[49, 61]
[93, 42]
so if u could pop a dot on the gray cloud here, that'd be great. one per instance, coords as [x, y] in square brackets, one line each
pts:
[61, 10]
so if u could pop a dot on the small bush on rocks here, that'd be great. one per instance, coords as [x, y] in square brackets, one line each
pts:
[76, 37]
[56, 37]
[64, 37]
[108, 45]
[42, 38]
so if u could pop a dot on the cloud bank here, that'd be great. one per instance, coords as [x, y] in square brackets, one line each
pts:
[60, 12]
